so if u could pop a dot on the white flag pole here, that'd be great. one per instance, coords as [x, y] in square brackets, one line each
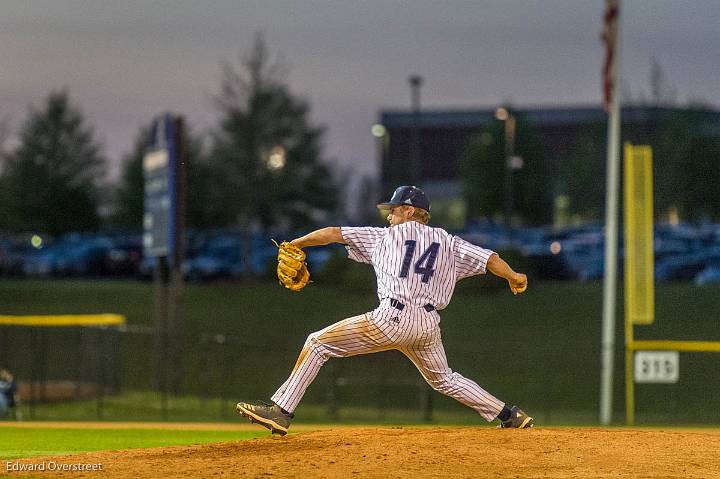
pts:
[612, 27]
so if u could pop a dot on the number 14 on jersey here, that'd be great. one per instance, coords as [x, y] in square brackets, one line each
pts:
[424, 265]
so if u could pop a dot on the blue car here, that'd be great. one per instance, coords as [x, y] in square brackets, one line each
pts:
[709, 275]
[221, 258]
[44, 262]
[84, 259]
[682, 267]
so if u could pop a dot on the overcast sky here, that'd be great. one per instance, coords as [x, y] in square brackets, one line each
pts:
[124, 61]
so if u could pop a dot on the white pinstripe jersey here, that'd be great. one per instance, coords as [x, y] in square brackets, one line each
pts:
[414, 263]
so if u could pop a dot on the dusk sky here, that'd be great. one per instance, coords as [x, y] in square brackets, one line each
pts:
[125, 61]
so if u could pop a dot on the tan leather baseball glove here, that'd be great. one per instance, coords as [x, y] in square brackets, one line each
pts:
[292, 269]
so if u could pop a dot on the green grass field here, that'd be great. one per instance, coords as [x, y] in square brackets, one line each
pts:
[17, 442]
[540, 349]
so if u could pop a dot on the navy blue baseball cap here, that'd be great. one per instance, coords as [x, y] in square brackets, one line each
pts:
[407, 195]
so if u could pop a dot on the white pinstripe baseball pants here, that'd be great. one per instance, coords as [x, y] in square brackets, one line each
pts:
[419, 340]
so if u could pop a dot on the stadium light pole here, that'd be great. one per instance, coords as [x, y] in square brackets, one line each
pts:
[504, 115]
[415, 82]
[382, 138]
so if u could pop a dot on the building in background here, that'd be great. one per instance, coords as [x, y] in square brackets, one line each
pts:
[445, 136]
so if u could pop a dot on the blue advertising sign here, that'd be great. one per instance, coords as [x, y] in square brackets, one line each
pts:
[160, 173]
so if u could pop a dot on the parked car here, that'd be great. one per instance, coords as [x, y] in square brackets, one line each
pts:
[582, 252]
[124, 258]
[147, 266]
[664, 247]
[318, 258]
[547, 256]
[44, 262]
[709, 275]
[12, 256]
[85, 259]
[682, 267]
[220, 258]
[596, 269]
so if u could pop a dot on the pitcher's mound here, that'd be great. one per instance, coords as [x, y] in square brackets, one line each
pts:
[416, 452]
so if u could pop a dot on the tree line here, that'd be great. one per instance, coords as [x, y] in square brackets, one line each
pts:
[261, 166]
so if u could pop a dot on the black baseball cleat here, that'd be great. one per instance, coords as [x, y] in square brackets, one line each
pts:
[266, 414]
[518, 419]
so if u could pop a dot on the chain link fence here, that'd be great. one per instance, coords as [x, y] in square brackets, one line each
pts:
[126, 373]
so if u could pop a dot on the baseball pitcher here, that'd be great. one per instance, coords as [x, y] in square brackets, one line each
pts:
[417, 267]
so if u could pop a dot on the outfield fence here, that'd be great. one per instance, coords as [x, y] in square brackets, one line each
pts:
[97, 366]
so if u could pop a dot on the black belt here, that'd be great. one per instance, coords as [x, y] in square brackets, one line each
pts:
[398, 305]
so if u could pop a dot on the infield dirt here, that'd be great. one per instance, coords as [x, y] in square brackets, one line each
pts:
[412, 452]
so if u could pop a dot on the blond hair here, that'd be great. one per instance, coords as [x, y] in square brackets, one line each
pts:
[421, 216]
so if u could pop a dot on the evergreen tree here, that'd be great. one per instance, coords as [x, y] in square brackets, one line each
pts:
[203, 210]
[51, 180]
[129, 208]
[266, 154]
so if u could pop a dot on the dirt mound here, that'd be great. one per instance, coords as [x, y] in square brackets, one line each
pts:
[421, 452]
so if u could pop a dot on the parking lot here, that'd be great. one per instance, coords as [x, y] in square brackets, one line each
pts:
[682, 253]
